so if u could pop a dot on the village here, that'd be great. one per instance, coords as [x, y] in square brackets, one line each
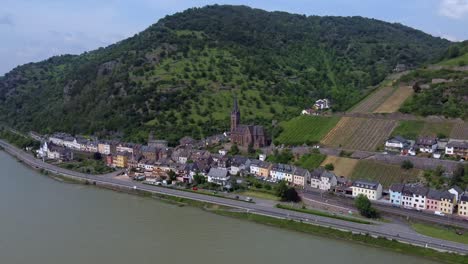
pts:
[195, 163]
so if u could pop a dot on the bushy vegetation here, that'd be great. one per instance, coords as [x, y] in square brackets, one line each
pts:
[178, 76]
[445, 98]
[17, 140]
[364, 207]
[310, 161]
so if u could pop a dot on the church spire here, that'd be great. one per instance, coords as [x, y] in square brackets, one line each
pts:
[235, 115]
[235, 109]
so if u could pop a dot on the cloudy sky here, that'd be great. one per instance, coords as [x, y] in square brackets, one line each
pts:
[33, 30]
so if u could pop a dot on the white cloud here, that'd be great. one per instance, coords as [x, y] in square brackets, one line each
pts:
[455, 9]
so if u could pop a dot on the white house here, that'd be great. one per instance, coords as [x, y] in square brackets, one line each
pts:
[238, 164]
[322, 104]
[71, 143]
[397, 143]
[457, 191]
[414, 196]
[427, 144]
[373, 190]
[59, 138]
[327, 181]
[218, 176]
[281, 172]
[457, 148]
[43, 150]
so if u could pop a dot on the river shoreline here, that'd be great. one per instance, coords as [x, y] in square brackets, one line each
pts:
[314, 229]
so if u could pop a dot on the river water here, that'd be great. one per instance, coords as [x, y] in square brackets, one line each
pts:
[48, 222]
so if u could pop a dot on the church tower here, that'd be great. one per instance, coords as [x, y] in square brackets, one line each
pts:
[235, 115]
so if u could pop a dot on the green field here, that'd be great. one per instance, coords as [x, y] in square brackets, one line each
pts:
[310, 161]
[305, 129]
[385, 174]
[408, 129]
[438, 129]
[446, 233]
[260, 195]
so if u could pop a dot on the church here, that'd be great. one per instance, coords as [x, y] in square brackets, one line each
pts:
[245, 135]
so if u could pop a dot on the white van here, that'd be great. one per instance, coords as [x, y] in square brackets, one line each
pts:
[439, 213]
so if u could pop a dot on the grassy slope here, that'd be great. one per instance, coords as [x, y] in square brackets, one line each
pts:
[305, 129]
[310, 161]
[343, 166]
[458, 61]
[445, 233]
[384, 173]
[408, 129]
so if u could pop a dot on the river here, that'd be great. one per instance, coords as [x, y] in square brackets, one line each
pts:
[46, 221]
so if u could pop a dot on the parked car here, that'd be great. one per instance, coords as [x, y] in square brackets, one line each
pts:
[439, 213]
[140, 178]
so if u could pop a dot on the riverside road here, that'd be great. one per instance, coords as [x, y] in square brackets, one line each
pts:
[388, 230]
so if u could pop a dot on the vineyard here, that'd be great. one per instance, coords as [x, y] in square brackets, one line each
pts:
[343, 166]
[393, 103]
[460, 131]
[305, 129]
[383, 173]
[359, 133]
[373, 101]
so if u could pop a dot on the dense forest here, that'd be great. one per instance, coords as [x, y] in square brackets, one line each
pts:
[178, 76]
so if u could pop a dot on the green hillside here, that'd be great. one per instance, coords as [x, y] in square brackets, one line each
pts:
[178, 76]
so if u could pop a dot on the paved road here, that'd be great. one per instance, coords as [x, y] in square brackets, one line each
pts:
[391, 231]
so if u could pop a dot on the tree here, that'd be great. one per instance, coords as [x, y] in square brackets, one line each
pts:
[329, 167]
[364, 207]
[199, 179]
[407, 165]
[234, 150]
[97, 156]
[286, 193]
[251, 149]
[416, 87]
[172, 175]
[281, 188]
[291, 195]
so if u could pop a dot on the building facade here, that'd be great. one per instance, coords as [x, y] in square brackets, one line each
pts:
[246, 135]
[373, 190]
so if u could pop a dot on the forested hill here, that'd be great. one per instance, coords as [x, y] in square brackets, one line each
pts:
[442, 88]
[178, 76]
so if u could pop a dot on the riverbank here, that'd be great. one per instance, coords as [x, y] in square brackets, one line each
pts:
[368, 240]
[220, 205]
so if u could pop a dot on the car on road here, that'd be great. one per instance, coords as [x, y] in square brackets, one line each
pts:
[139, 178]
[248, 199]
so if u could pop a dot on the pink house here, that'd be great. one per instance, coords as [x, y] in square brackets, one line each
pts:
[432, 200]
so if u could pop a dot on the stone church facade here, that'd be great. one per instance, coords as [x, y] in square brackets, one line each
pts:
[246, 135]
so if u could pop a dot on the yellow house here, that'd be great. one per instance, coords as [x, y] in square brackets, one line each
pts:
[447, 203]
[463, 206]
[121, 160]
[300, 177]
[264, 169]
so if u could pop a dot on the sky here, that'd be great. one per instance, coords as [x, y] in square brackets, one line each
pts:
[34, 30]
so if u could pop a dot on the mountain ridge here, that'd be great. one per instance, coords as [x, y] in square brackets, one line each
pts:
[178, 76]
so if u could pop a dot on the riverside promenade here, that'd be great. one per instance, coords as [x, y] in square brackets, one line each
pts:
[387, 230]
